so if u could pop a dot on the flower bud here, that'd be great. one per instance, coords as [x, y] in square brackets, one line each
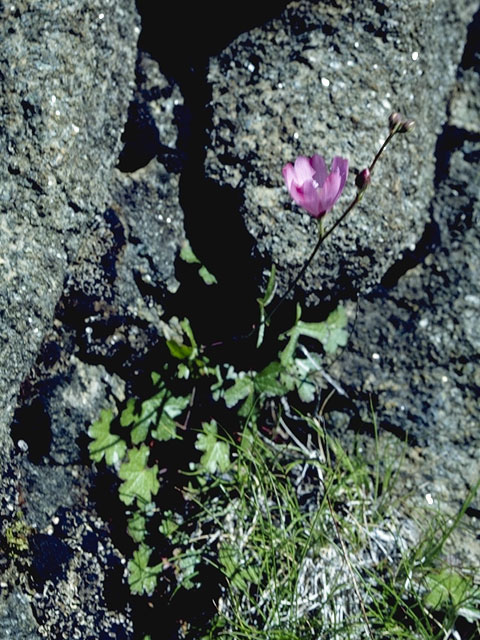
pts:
[406, 126]
[398, 124]
[394, 120]
[363, 179]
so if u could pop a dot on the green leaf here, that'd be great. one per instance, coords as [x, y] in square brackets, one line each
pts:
[304, 367]
[188, 256]
[140, 481]
[216, 455]
[167, 428]
[168, 526]
[247, 409]
[238, 391]
[141, 577]
[331, 334]
[179, 351]
[270, 290]
[174, 405]
[265, 301]
[105, 443]
[186, 253]
[147, 417]
[206, 276]
[136, 526]
[337, 335]
[187, 564]
[268, 381]
[447, 586]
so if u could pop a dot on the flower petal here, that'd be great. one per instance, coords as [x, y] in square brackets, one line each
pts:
[288, 173]
[342, 165]
[311, 199]
[303, 170]
[320, 169]
[331, 190]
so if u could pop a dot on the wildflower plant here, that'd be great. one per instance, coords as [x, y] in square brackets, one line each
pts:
[244, 509]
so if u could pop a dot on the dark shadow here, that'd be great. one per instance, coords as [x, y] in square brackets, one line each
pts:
[471, 53]
[31, 424]
[429, 241]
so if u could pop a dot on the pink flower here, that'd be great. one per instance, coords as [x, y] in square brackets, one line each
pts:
[310, 184]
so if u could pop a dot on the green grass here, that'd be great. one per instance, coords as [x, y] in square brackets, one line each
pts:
[313, 544]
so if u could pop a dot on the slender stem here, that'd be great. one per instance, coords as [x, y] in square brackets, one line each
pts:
[382, 148]
[320, 241]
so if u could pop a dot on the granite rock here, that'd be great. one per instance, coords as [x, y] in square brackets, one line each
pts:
[67, 77]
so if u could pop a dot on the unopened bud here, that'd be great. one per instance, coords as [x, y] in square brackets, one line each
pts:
[363, 179]
[406, 126]
[398, 124]
[394, 120]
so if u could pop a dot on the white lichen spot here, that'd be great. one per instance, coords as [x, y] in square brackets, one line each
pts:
[295, 135]
[375, 66]
[423, 323]
[375, 356]
[415, 55]
[75, 129]
[356, 45]
[325, 82]
[160, 217]
[444, 379]
[53, 99]
[251, 67]
[280, 85]
[168, 220]
[429, 498]
[350, 63]
[57, 112]
[22, 445]
[101, 16]
[386, 104]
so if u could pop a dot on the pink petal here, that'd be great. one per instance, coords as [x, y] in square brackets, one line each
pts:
[288, 174]
[303, 170]
[342, 165]
[311, 200]
[331, 191]
[320, 169]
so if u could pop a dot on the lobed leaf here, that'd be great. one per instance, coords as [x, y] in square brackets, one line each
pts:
[140, 482]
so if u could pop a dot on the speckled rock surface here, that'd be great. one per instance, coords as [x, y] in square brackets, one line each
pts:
[324, 77]
[416, 339]
[95, 249]
[67, 77]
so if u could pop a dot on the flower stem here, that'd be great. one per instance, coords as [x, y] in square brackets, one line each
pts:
[393, 131]
[322, 237]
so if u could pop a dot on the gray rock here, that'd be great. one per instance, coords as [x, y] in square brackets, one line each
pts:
[16, 618]
[67, 75]
[324, 78]
[415, 342]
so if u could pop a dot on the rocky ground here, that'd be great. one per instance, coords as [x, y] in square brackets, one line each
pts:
[124, 133]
